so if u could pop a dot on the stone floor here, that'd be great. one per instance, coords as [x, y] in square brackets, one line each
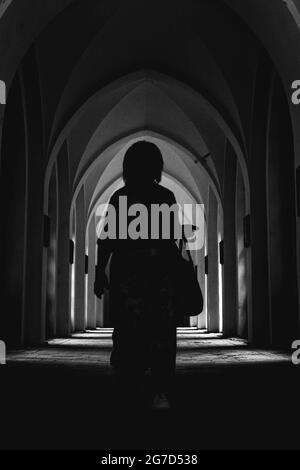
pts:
[196, 350]
[228, 396]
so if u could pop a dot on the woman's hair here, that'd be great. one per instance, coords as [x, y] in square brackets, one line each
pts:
[143, 163]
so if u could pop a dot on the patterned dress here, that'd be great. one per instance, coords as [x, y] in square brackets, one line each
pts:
[142, 303]
[143, 312]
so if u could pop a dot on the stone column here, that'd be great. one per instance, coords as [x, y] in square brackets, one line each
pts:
[91, 307]
[51, 257]
[63, 256]
[79, 307]
[34, 318]
[281, 221]
[213, 265]
[230, 278]
[259, 316]
[13, 217]
[241, 258]
[201, 323]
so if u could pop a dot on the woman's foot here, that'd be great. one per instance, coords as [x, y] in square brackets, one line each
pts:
[161, 402]
[130, 392]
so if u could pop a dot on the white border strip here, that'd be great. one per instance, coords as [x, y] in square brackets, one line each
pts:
[293, 10]
[4, 4]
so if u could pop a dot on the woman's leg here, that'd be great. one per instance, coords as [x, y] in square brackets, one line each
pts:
[129, 363]
[163, 363]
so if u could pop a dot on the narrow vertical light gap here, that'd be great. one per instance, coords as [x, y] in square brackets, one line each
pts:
[73, 292]
[220, 272]
[206, 300]
[86, 300]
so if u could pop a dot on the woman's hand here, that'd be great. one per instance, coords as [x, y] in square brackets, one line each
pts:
[101, 283]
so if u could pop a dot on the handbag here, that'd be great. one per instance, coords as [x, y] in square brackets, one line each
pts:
[189, 294]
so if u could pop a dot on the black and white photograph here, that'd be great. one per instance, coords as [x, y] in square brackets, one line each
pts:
[150, 228]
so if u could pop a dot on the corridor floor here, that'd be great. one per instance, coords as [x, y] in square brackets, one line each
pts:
[196, 349]
[228, 396]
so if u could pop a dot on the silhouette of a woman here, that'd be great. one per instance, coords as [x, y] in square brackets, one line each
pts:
[142, 300]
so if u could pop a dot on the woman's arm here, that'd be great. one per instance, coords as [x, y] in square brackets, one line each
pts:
[104, 251]
[105, 248]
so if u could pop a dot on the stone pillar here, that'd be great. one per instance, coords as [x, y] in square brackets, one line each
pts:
[91, 307]
[241, 258]
[281, 221]
[13, 217]
[34, 318]
[213, 265]
[51, 257]
[259, 316]
[230, 278]
[201, 320]
[79, 307]
[72, 268]
[63, 256]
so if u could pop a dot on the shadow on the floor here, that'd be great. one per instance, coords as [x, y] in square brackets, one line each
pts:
[60, 398]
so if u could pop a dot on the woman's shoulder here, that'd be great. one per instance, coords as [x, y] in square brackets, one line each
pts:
[166, 194]
[117, 194]
[158, 193]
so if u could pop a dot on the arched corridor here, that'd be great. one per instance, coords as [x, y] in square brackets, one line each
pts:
[187, 187]
[208, 82]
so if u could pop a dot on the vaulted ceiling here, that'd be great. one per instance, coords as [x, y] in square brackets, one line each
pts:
[130, 65]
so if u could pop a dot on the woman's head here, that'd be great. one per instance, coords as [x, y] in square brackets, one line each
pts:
[143, 163]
